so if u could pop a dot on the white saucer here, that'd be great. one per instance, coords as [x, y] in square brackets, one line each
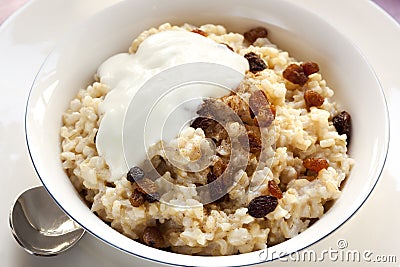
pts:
[29, 35]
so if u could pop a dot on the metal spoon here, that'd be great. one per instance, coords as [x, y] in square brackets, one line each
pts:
[40, 226]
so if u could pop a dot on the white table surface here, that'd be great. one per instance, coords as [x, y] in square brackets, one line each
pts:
[28, 36]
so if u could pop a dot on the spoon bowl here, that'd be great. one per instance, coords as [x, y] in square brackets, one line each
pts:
[40, 226]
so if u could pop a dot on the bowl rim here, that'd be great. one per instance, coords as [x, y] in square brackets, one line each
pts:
[378, 170]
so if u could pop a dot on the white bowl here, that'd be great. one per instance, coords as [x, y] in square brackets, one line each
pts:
[306, 36]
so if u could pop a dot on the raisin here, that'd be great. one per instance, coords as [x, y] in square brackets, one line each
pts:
[295, 74]
[147, 186]
[153, 237]
[315, 164]
[201, 32]
[219, 167]
[253, 34]
[211, 128]
[239, 106]
[252, 141]
[260, 107]
[137, 198]
[260, 206]
[217, 132]
[110, 184]
[258, 100]
[265, 117]
[203, 123]
[274, 189]
[310, 68]
[214, 109]
[135, 174]
[256, 63]
[342, 123]
[313, 99]
[211, 177]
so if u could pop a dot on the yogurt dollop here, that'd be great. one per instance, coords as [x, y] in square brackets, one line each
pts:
[126, 73]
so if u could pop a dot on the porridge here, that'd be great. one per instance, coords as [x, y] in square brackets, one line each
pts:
[278, 149]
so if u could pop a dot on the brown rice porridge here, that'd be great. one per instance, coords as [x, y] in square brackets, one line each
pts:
[296, 158]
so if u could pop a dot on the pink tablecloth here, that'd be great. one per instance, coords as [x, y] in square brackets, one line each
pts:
[7, 7]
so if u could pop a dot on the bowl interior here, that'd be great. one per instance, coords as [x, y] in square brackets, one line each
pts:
[306, 36]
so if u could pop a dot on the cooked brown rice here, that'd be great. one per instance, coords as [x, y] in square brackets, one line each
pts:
[223, 227]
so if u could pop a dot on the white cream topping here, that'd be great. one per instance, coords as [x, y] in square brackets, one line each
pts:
[125, 73]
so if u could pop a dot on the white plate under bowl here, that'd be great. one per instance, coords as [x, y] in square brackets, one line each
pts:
[307, 37]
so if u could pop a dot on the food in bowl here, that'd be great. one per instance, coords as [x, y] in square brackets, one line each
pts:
[285, 130]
